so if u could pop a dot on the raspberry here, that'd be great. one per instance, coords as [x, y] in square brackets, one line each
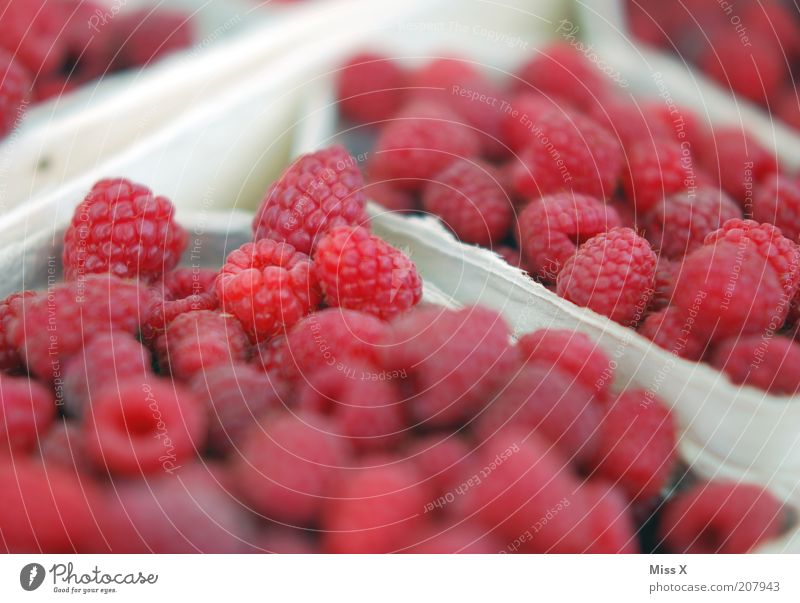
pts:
[370, 87]
[607, 522]
[63, 448]
[432, 80]
[236, 397]
[551, 228]
[10, 360]
[359, 271]
[655, 170]
[567, 153]
[89, 49]
[74, 313]
[268, 286]
[149, 35]
[27, 410]
[788, 107]
[674, 332]
[182, 290]
[559, 408]
[525, 112]
[269, 356]
[573, 353]
[419, 143]
[283, 540]
[461, 538]
[776, 22]
[32, 34]
[288, 465]
[389, 197]
[319, 191]
[765, 362]
[197, 341]
[612, 273]
[512, 256]
[729, 290]
[106, 359]
[637, 442]
[454, 360]
[141, 427]
[122, 228]
[470, 201]
[439, 459]
[720, 517]
[628, 120]
[666, 271]
[679, 224]
[777, 201]
[679, 123]
[15, 85]
[376, 509]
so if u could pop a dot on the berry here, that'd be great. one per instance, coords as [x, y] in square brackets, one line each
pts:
[419, 143]
[268, 286]
[764, 362]
[666, 271]
[777, 201]
[32, 34]
[196, 341]
[318, 192]
[674, 332]
[551, 228]
[122, 228]
[370, 87]
[15, 85]
[10, 360]
[608, 523]
[390, 197]
[149, 35]
[359, 271]
[27, 410]
[288, 465]
[656, 170]
[613, 274]
[678, 224]
[637, 442]
[525, 112]
[141, 427]
[461, 538]
[283, 540]
[63, 447]
[182, 290]
[470, 201]
[439, 460]
[628, 120]
[720, 517]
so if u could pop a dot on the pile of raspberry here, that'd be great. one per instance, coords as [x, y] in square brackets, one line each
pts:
[634, 209]
[50, 47]
[302, 398]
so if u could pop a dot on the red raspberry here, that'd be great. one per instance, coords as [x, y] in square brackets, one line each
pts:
[551, 228]
[776, 21]
[637, 444]
[83, 38]
[470, 200]
[787, 107]
[607, 522]
[284, 540]
[122, 228]
[567, 153]
[32, 34]
[777, 201]
[196, 341]
[439, 459]
[63, 448]
[269, 356]
[149, 35]
[288, 465]
[455, 360]
[765, 362]
[432, 80]
[729, 290]
[15, 86]
[679, 224]
[10, 360]
[674, 332]
[389, 197]
[419, 143]
[182, 290]
[679, 123]
[376, 509]
[628, 120]
[27, 410]
[106, 359]
[461, 538]
[319, 191]
[512, 256]
[720, 517]
[359, 271]
[656, 170]
[370, 87]
[523, 115]
[268, 286]
[141, 427]
[74, 313]
[666, 271]
[573, 353]
[612, 273]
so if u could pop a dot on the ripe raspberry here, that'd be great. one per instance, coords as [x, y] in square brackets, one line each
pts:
[678, 224]
[765, 362]
[679, 123]
[573, 353]
[389, 197]
[268, 356]
[720, 517]
[608, 523]
[141, 427]
[567, 153]
[32, 34]
[283, 540]
[470, 201]
[613, 274]
[512, 256]
[150, 35]
[637, 442]
[359, 271]
[122, 228]
[777, 201]
[420, 142]
[461, 538]
[288, 465]
[62, 447]
[439, 460]
[10, 360]
[656, 170]
[182, 290]
[628, 120]
[787, 107]
[268, 286]
[729, 290]
[523, 115]
[432, 80]
[370, 87]
[15, 86]
[107, 359]
[666, 272]
[455, 361]
[74, 313]
[551, 228]
[319, 191]
[671, 330]
[197, 341]
[27, 410]
[89, 48]
[376, 509]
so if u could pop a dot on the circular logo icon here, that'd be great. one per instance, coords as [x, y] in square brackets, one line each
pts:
[31, 576]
